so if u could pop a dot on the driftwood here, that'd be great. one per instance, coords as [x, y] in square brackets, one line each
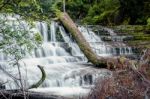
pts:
[36, 85]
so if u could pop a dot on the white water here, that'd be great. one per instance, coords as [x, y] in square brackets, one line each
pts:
[53, 31]
[67, 71]
[102, 48]
[123, 48]
[75, 48]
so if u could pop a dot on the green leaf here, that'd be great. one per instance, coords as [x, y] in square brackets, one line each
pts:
[24, 4]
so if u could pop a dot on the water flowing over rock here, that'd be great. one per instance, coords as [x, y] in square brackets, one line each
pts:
[117, 47]
[65, 65]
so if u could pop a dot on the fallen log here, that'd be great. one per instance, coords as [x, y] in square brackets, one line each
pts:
[29, 95]
[98, 61]
[83, 44]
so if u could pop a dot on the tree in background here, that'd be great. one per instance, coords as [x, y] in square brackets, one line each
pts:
[109, 12]
[130, 10]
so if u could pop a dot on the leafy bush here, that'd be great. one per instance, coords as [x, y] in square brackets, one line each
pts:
[148, 21]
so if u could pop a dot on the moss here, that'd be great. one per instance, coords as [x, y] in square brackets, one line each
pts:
[140, 33]
[141, 37]
[38, 38]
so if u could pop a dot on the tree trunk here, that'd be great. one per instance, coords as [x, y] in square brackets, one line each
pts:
[83, 44]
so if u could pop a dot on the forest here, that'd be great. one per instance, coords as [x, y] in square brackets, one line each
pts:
[74, 49]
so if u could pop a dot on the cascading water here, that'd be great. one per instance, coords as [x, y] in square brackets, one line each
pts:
[103, 48]
[63, 63]
[53, 31]
[75, 48]
[95, 42]
[67, 71]
[123, 48]
[44, 31]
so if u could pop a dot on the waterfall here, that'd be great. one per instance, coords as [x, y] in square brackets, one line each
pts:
[124, 49]
[102, 48]
[44, 31]
[74, 47]
[65, 65]
[42, 28]
[95, 42]
[57, 58]
[53, 31]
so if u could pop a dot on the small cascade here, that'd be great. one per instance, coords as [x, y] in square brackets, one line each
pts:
[2, 57]
[42, 28]
[38, 27]
[44, 31]
[75, 50]
[53, 31]
[123, 48]
[89, 35]
[67, 39]
[110, 31]
[98, 46]
[113, 35]
[54, 50]
[102, 48]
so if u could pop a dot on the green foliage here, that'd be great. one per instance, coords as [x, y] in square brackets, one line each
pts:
[108, 12]
[140, 34]
[92, 11]
[38, 38]
[88, 11]
[29, 9]
[103, 12]
[16, 40]
[148, 21]
[76, 8]
[132, 9]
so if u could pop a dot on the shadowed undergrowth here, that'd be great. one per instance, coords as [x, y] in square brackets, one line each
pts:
[128, 83]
